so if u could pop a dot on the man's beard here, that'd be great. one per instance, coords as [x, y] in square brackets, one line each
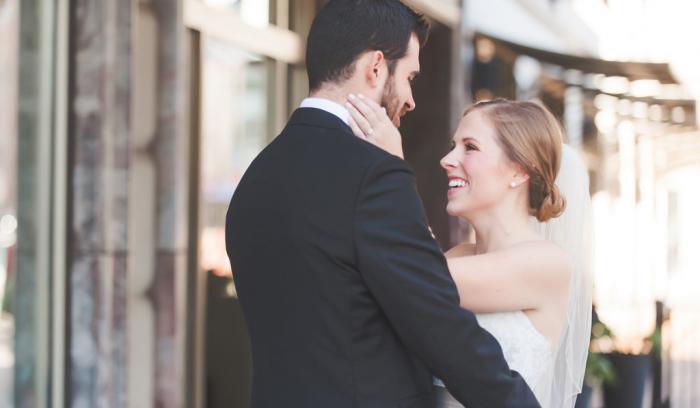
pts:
[390, 101]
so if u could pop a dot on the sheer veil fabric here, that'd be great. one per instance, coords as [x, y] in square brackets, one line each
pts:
[572, 231]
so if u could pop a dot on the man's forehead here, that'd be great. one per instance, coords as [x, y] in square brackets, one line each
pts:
[413, 45]
[412, 57]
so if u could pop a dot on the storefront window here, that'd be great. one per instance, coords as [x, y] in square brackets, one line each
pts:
[9, 12]
[235, 128]
[237, 118]
[253, 12]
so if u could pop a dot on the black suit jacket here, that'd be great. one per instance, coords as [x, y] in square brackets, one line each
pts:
[348, 299]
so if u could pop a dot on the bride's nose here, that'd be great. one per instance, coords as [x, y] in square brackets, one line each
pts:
[448, 161]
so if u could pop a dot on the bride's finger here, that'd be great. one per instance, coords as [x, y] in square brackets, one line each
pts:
[356, 129]
[379, 111]
[360, 102]
[360, 120]
[376, 108]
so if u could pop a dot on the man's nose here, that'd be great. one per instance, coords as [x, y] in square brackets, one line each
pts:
[410, 104]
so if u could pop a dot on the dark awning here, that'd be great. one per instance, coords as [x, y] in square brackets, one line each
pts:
[631, 70]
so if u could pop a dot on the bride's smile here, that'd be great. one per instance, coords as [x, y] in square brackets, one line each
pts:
[455, 185]
[479, 172]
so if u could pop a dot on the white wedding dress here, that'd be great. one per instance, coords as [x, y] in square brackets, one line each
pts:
[525, 349]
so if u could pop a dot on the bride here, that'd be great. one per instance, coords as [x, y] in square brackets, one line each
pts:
[526, 274]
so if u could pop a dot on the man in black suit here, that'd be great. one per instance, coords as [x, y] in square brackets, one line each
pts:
[347, 298]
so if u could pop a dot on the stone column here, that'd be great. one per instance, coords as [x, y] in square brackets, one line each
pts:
[129, 212]
[171, 151]
[100, 129]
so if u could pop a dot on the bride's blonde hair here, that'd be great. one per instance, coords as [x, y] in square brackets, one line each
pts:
[531, 137]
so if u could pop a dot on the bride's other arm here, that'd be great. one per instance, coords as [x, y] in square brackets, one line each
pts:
[523, 277]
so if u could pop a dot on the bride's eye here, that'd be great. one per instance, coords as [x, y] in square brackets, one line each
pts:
[470, 146]
[452, 146]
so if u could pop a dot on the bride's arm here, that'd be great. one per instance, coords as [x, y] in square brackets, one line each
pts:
[523, 277]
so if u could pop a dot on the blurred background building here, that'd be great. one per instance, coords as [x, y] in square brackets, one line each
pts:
[126, 126]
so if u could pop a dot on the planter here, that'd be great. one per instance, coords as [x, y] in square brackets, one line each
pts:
[584, 398]
[632, 373]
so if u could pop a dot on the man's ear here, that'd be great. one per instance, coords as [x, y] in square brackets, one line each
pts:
[376, 69]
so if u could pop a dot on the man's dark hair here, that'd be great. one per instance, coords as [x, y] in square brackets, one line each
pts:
[344, 29]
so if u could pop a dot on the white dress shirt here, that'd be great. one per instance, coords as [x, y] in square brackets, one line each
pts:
[329, 106]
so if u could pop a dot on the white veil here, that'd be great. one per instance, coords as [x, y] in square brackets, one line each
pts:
[572, 231]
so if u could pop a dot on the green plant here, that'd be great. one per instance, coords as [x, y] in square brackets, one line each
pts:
[653, 342]
[600, 330]
[599, 369]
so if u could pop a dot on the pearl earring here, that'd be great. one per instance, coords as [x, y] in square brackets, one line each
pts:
[513, 184]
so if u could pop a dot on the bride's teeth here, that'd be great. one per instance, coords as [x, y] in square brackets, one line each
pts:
[457, 183]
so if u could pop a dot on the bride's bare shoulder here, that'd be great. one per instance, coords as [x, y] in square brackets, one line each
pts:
[463, 249]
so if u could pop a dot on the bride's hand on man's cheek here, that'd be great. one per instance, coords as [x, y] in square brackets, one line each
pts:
[369, 121]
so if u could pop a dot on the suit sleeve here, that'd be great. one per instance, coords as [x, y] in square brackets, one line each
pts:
[407, 274]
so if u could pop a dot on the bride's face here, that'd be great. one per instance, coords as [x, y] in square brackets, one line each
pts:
[478, 169]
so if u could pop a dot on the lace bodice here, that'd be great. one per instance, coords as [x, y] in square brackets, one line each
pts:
[525, 349]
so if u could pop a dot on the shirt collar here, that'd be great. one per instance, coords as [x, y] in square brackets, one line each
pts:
[328, 106]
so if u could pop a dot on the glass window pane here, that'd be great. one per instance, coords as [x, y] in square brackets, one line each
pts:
[253, 12]
[236, 123]
[9, 18]
[235, 128]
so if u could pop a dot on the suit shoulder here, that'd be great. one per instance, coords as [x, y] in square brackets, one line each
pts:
[380, 161]
[368, 155]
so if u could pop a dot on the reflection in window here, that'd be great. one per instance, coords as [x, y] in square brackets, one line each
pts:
[235, 121]
[253, 12]
[9, 16]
